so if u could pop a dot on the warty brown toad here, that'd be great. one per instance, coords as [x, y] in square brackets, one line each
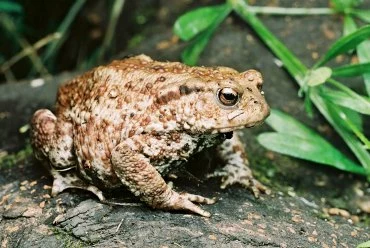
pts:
[132, 121]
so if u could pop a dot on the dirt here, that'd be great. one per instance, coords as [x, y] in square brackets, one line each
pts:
[310, 205]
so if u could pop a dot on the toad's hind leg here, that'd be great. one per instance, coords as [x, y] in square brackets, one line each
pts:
[144, 181]
[51, 139]
[69, 180]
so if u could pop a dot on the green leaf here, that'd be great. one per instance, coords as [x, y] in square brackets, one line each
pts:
[192, 23]
[363, 53]
[297, 140]
[10, 7]
[345, 44]
[342, 5]
[332, 113]
[284, 123]
[364, 15]
[349, 25]
[309, 149]
[351, 70]
[364, 245]
[318, 76]
[347, 97]
[363, 49]
[192, 52]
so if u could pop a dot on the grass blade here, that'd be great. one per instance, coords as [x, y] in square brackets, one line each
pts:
[364, 245]
[357, 103]
[363, 49]
[332, 114]
[302, 142]
[284, 123]
[364, 15]
[345, 44]
[351, 70]
[309, 148]
[113, 19]
[192, 23]
[10, 7]
[53, 47]
[192, 52]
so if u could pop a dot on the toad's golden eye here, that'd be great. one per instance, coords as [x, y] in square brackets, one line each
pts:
[228, 96]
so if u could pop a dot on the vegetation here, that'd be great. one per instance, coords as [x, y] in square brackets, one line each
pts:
[342, 107]
[43, 53]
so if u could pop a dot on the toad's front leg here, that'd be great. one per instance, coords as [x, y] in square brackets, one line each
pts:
[142, 179]
[236, 169]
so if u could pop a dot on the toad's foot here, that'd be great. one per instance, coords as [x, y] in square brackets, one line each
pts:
[236, 170]
[184, 201]
[232, 174]
[142, 179]
[69, 179]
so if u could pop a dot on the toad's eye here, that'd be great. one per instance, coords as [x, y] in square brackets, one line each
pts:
[228, 96]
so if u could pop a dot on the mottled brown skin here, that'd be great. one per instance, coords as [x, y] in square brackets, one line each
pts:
[134, 120]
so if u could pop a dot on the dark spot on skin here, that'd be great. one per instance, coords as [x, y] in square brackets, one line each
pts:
[132, 115]
[184, 90]
[186, 147]
[249, 89]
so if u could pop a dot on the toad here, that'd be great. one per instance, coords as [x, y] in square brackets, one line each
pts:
[132, 121]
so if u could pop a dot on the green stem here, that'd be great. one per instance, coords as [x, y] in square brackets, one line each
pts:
[115, 13]
[290, 11]
[290, 61]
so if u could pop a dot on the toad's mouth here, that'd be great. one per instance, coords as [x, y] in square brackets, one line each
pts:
[230, 129]
[227, 135]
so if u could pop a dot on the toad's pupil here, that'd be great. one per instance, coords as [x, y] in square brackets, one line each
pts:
[229, 96]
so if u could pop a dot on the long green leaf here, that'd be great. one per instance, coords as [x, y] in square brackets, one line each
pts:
[363, 49]
[303, 142]
[284, 123]
[345, 44]
[192, 23]
[192, 52]
[342, 5]
[364, 15]
[363, 53]
[357, 103]
[364, 245]
[309, 148]
[351, 70]
[10, 7]
[332, 114]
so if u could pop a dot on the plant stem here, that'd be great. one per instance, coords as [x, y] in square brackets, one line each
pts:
[114, 15]
[52, 48]
[28, 50]
[8, 24]
[290, 11]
